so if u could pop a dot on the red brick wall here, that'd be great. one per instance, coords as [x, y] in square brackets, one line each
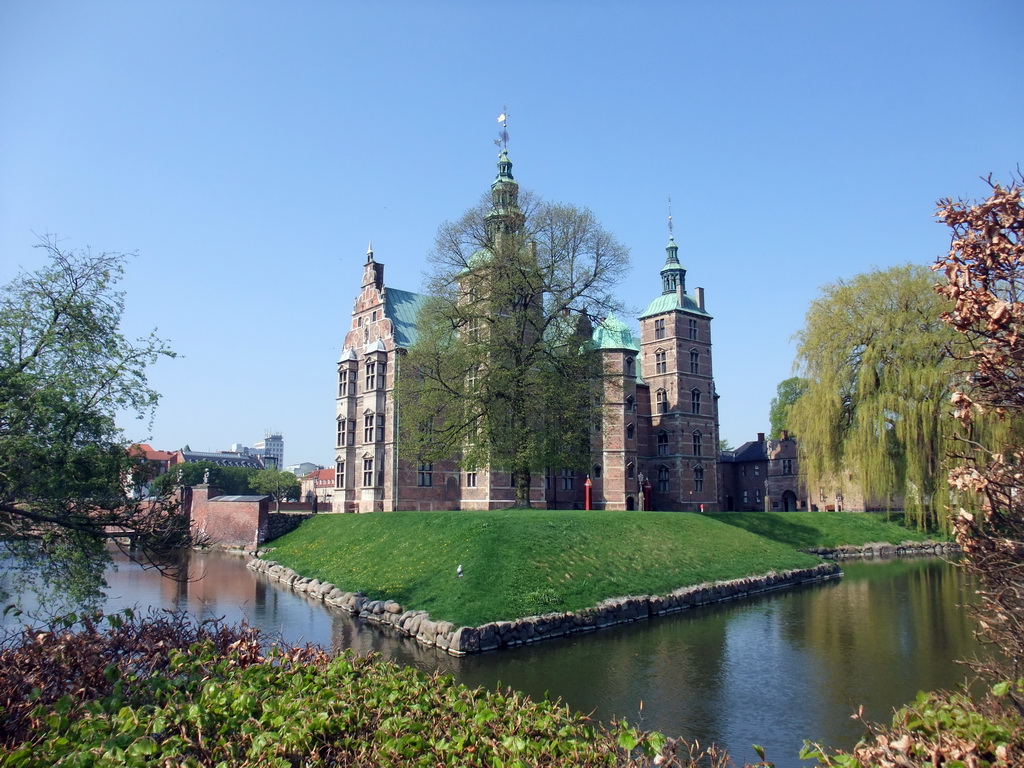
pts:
[228, 523]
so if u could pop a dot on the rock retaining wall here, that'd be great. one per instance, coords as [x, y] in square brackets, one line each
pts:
[884, 549]
[459, 641]
[280, 523]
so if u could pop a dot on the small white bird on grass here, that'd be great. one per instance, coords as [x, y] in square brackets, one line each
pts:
[459, 571]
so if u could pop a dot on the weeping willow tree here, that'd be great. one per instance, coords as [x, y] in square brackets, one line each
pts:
[876, 412]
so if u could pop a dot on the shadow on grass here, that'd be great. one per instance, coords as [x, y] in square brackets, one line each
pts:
[775, 527]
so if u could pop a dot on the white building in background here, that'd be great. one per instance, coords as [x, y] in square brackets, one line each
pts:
[270, 449]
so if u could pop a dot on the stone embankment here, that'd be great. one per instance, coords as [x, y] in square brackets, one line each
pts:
[459, 641]
[885, 549]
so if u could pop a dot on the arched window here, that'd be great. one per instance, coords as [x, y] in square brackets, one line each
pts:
[663, 443]
[629, 431]
[663, 479]
[698, 441]
[698, 478]
[662, 398]
[630, 471]
[597, 470]
[630, 404]
[694, 361]
[695, 400]
[629, 366]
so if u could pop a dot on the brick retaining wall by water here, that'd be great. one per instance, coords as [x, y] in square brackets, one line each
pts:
[460, 641]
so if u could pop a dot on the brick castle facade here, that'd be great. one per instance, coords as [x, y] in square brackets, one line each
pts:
[655, 448]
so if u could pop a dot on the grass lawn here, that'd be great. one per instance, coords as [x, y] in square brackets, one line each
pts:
[816, 530]
[523, 562]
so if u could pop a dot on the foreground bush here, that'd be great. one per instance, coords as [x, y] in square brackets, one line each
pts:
[165, 690]
[941, 729]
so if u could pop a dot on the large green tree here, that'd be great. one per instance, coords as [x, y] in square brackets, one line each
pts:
[277, 483]
[786, 394]
[875, 354]
[66, 369]
[503, 373]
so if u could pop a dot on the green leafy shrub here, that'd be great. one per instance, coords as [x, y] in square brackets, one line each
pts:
[167, 690]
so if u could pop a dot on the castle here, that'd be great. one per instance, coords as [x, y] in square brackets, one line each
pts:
[655, 448]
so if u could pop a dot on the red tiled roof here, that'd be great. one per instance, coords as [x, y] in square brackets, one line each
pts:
[153, 455]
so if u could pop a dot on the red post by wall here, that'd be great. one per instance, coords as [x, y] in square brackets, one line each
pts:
[586, 493]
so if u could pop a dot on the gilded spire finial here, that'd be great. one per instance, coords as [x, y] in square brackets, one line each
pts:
[502, 140]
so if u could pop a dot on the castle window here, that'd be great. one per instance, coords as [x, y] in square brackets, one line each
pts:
[629, 431]
[660, 364]
[757, 496]
[374, 316]
[471, 479]
[351, 432]
[568, 479]
[380, 427]
[695, 400]
[698, 478]
[659, 328]
[694, 361]
[698, 442]
[630, 404]
[341, 432]
[342, 383]
[757, 470]
[425, 475]
[663, 443]
[339, 474]
[368, 428]
[382, 369]
[787, 466]
[630, 471]
[663, 479]
[597, 470]
[368, 472]
[662, 397]
[629, 366]
[746, 497]
[693, 328]
[371, 376]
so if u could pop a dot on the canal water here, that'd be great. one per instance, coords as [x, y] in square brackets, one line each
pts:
[773, 670]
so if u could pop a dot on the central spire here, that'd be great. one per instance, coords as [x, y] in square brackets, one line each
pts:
[505, 215]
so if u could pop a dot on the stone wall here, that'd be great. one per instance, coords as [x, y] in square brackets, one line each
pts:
[885, 549]
[280, 523]
[460, 641]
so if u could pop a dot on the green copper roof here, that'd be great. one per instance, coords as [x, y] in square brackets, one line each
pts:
[402, 307]
[612, 333]
[669, 302]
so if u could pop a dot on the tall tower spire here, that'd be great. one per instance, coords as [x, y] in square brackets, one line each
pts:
[505, 215]
[673, 276]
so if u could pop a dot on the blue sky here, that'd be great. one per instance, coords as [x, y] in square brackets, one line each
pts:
[249, 151]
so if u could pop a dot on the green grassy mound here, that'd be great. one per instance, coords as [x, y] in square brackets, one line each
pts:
[821, 530]
[523, 562]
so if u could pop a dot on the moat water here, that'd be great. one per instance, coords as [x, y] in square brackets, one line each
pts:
[773, 670]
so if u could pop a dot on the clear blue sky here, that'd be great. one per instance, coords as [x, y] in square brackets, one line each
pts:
[250, 150]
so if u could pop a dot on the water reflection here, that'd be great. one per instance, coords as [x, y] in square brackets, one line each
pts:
[773, 670]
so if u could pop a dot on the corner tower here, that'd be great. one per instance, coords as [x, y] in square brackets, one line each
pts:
[681, 449]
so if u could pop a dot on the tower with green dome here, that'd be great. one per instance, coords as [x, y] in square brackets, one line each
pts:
[681, 419]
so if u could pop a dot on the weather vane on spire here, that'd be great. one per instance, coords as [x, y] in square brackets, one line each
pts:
[671, 236]
[502, 140]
